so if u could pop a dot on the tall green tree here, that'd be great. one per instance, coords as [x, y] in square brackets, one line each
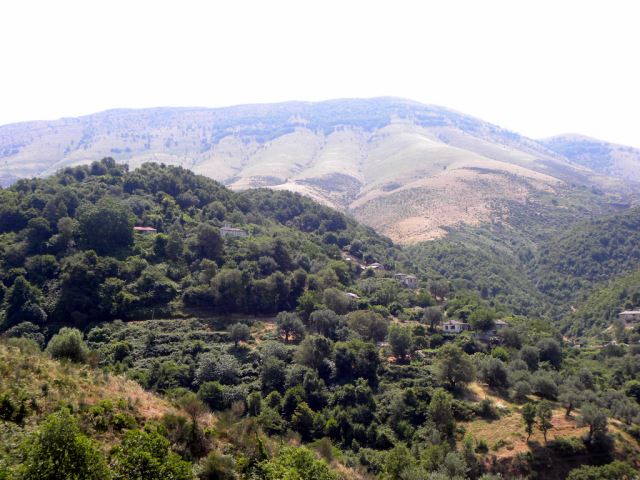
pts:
[106, 226]
[453, 366]
[544, 414]
[529, 418]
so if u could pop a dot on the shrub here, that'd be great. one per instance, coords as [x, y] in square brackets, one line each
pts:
[146, 455]
[212, 394]
[58, 450]
[68, 344]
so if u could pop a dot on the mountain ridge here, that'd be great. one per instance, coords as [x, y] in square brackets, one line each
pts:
[407, 169]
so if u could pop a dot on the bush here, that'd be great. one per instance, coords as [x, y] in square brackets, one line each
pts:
[568, 447]
[68, 344]
[58, 450]
[212, 394]
[146, 455]
[218, 467]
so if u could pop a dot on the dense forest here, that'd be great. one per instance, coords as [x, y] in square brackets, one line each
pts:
[293, 350]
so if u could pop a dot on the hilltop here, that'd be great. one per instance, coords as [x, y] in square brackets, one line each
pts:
[408, 170]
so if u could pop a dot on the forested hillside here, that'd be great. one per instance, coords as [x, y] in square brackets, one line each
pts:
[70, 253]
[261, 321]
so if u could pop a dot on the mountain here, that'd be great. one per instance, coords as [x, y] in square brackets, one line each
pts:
[607, 158]
[408, 170]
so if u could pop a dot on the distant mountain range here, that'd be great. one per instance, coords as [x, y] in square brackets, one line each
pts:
[409, 170]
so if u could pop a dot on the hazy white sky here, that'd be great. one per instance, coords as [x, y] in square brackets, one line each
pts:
[537, 67]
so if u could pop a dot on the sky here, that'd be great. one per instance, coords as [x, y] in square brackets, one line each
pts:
[539, 67]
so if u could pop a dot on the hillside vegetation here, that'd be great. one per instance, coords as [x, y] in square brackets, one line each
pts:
[292, 351]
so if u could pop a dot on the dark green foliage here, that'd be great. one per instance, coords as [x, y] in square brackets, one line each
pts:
[70, 254]
[58, 451]
[106, 226]
[22, 304]
[212, 394]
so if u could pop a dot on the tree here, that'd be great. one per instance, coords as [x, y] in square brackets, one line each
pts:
[212, 394]
[302, 421]
[494, 372]
[337, 300]
[401, 341]
[222, 368]
[632, 389]
[550, 351]
[314, 352]
[454, 366]
[209, 243]
[324, 322]
[272, 375]
[569, 398]
[22, 304]
[531, 356]
[441, 413]
[529, 418]
[433, 316]
[290, 326]
[68, 344]
[146, 455]
[239, 332]
[254, 404]
[106, 226]
[439, 289]
[295, 463]
[369, 325]
[482, 319]
[544, 414]
[596, 419]
[58, 451]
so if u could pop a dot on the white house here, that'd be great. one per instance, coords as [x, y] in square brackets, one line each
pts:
[455, 326]
[408, 281]
[144, 230]
[232, 232]
[629, 317]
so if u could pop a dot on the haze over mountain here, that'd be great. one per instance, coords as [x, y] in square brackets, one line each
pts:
[409, 170]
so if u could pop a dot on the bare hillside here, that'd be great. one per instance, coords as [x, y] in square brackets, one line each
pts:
[404, 168]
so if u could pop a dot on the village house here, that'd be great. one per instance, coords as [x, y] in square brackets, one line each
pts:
[353, 295]
[408, 281]
[629, 317]
[455, 326]
[375, 266]
[144, 230]
[228, 231]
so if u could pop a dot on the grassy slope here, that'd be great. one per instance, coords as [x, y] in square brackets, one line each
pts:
[506, 437]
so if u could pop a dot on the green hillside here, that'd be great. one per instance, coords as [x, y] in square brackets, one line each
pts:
[69, 252]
